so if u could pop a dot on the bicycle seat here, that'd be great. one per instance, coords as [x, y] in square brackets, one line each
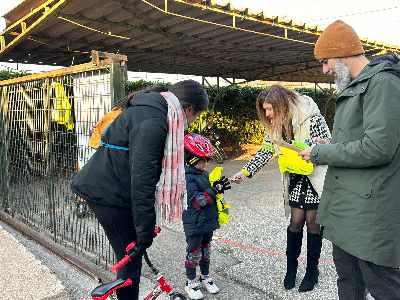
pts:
[103, 291]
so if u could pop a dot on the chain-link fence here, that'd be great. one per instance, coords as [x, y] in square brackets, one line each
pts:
[45, 123]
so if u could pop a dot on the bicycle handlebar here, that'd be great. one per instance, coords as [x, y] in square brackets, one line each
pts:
[132, 250]
[120, 264]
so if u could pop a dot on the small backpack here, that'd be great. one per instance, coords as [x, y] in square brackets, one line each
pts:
[98, 130]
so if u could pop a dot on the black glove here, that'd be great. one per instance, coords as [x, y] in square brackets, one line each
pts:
[221, 185]
[143, 246]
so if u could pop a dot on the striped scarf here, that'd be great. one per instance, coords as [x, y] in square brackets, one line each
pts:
[171, 196]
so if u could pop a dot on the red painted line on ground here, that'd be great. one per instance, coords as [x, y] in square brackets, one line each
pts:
[262, 251]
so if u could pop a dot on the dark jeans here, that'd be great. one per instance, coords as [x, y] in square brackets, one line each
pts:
[200, 242]
[356, 275]
[117, 223]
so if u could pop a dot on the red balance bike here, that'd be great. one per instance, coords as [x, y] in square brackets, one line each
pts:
[102, 292]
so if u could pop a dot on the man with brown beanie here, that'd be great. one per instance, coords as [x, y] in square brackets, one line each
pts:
[360, 205]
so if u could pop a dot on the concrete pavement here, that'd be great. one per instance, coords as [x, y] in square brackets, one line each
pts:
[22, 276]
[250, 251]
[248, 260]
[29, 271]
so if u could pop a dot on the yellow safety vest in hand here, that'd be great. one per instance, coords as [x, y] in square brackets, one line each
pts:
[223, 207]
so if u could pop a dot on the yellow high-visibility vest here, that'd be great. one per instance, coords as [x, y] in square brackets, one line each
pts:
[222, 205]
[62, 109]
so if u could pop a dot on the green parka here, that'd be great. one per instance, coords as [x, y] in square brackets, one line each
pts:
[360, 203]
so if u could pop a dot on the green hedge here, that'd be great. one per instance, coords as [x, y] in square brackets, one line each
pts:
[325, 99]
[234, 116]
[6, 74]
[141, 84]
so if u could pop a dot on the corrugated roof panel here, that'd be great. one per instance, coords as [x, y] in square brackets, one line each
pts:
[183, 37]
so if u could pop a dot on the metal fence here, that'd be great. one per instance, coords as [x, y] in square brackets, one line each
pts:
[45, 122]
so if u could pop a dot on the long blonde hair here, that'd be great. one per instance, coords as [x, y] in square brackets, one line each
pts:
[283, 102]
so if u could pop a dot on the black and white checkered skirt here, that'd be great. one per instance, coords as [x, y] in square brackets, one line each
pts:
[301, 193]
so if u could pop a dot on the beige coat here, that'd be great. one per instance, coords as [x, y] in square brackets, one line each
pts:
[301, 130]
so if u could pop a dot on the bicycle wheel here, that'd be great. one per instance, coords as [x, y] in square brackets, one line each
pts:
[177, 296]
[113, 296]
[218, 156]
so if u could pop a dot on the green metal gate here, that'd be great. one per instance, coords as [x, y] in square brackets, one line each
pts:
[45, 120]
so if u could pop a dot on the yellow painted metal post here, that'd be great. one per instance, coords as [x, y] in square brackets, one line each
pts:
[2, 42]
[166, 5]
[23, 27]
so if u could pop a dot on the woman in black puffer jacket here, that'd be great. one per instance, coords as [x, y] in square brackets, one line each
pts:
[119, 186]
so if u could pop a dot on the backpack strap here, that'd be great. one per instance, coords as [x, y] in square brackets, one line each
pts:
[109, 145]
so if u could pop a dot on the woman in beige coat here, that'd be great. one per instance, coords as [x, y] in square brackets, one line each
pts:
[288, 116]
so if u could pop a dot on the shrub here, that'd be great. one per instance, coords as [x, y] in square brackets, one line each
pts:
[233, 116]
[7, 74]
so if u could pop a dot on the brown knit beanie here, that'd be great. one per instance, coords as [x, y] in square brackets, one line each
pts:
[338, 40]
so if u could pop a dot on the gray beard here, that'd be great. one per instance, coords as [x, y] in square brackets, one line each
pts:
[342, 75]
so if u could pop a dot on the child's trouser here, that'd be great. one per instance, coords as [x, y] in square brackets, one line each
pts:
[198, 252]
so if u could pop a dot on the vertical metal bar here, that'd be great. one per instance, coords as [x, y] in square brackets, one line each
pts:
[4, 161]
[118, 73]
[166, 5]
[315, 90]
[48, 159]
[2, 43]
[14, 112]
[23, 27]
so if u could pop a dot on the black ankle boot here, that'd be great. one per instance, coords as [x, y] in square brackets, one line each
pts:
[293, 250]
[314, 244]
[310, 280]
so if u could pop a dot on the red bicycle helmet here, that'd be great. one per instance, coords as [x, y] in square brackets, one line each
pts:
[198, 147]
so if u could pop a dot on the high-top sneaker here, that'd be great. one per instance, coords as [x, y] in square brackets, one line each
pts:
[209, 284]
[192, 288]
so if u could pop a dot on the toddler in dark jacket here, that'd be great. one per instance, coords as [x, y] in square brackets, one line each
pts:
[200, 219]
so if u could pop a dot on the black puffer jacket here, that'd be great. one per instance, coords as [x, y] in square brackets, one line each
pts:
[128, 178]
[196, 219]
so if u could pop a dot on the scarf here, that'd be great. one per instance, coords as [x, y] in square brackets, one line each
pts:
[171, 196]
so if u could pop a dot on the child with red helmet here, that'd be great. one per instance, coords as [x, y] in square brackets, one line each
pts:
[200, 219]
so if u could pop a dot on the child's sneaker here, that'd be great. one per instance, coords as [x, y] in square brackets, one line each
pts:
[208, 283]
[192, 288]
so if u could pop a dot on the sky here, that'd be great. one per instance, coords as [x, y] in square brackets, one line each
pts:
[375, 20]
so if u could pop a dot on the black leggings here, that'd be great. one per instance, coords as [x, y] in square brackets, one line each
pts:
[117, 223]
